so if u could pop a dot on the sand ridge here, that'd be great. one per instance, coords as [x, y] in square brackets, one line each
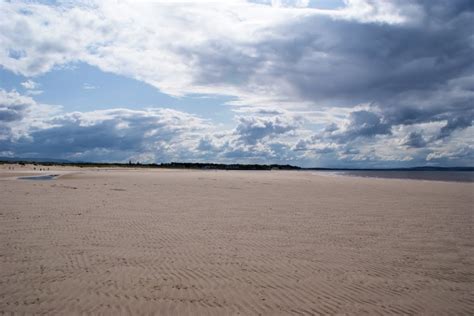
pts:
[225, 243]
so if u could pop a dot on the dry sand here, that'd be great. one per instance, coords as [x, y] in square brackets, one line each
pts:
[217, 242]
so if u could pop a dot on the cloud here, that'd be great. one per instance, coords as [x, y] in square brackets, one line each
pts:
[258, 137]
[445, 157]
[88, 86]
[31, 87]
[414, 140]
[290, 3]
[361, 124]
[29, 84]
[251, 130]
[13, 106]
[206, 144]
[456, 123]
[392, 12]
[19, 115]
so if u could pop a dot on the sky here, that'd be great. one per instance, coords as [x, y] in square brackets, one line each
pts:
[320, 83]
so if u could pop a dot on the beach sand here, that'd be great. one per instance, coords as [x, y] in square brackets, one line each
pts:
[170, 242]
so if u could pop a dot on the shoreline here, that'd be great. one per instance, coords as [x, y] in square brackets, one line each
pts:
[433, 176]
[416, 175]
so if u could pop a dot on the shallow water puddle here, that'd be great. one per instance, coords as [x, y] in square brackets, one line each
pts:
[41, 178]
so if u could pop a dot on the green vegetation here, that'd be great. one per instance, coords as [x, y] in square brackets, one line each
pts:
[171, 165]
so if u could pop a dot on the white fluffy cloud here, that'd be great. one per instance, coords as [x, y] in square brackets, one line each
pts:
[29, 84]
[20, 114]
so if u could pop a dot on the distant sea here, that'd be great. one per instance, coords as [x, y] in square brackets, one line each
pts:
[451, 176]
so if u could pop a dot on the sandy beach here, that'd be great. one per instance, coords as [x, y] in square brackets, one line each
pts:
[171, 242]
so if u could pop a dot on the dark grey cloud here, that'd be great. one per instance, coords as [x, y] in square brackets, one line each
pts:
[251, 129]
[456, 123]
[364, 124]
[13, 107]
[270, 152]
[411, 72]
[11, 113]
[206, 145]
[415, 140]
[70, 138]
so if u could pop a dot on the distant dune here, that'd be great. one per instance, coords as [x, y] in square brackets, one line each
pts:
[152, 241]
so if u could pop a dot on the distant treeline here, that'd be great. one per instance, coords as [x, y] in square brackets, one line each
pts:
[421, 168]
[171, 165]
[193, 165]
